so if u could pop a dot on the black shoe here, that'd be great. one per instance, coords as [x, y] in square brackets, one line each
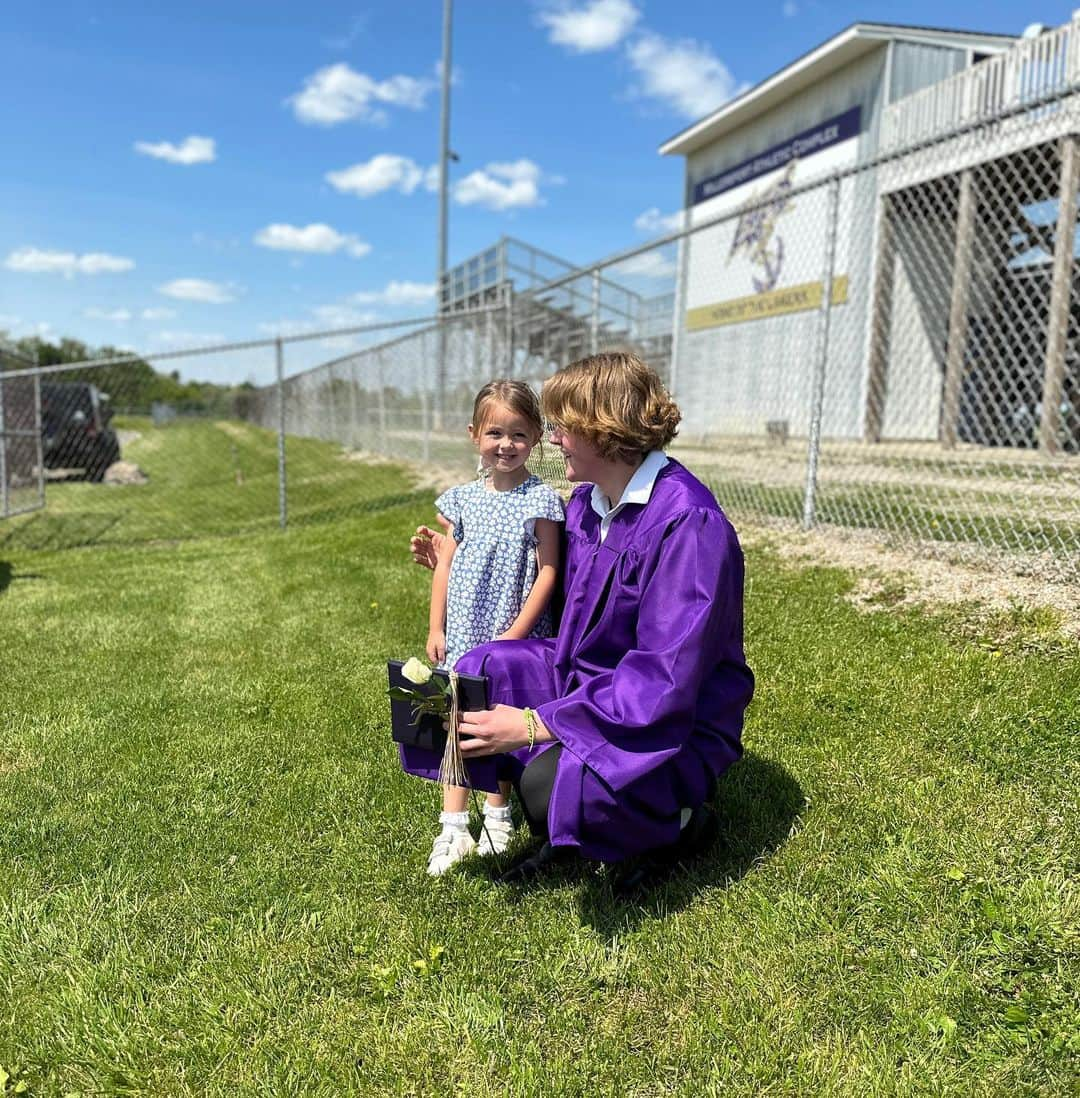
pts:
[656, 866]
[529, 866]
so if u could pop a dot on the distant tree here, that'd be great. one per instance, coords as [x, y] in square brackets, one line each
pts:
[133, 385]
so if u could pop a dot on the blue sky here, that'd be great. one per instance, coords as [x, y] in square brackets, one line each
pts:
[176, 174]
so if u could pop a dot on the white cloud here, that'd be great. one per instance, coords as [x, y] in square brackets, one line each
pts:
[684, 75]
[345, 40]
[217, 244]
[397, 293]
[501, 186]
[319, 238]
[598, 25]
[158, 314]
[343, 316]
[39, 261]
[118, 316]
[338, 93]
[383, 172]
[190, 339]
[457, 77]
[285, 327]
[327, 317]
[648, 265]
[198, 289]
[192, 150]
[431, 179]
[653, 221]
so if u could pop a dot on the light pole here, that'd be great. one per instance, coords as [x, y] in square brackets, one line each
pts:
[444, 189]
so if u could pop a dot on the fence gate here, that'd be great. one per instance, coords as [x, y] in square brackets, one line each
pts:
[22, 470]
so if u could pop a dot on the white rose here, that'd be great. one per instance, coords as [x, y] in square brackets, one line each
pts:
[416, 671]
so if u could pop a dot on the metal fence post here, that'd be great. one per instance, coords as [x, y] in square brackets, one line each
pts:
[4, 500]
[1053, 388]
[678, 309]
[381, 404]
[821, 354]
[279, 357]
[509, 306]
[425, 411]
[958, 307]
[594, 327]
[354, 412]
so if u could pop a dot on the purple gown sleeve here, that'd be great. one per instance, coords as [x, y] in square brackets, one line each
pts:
[626, 722]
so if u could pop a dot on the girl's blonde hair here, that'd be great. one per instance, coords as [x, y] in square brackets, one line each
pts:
[615, 402]
[515, 395]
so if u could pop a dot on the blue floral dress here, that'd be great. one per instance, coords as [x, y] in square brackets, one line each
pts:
[494, 567]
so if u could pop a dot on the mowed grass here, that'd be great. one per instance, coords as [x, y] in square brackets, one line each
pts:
[205, 477]
[213, 868]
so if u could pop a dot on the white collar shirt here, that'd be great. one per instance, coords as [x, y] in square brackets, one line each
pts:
[638, 490]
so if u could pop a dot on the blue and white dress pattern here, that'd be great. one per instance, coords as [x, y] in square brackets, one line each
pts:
[494, 567]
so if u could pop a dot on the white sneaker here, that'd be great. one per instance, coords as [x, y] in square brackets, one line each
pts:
[495, 836]
[449, 848]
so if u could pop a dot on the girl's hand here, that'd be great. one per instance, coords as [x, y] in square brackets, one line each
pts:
[436, 646]
[492, 731]
[426, 544]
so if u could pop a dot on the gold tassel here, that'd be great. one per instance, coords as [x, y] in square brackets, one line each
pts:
[452, 767]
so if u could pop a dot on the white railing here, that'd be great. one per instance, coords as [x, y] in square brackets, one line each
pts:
[1033, 69]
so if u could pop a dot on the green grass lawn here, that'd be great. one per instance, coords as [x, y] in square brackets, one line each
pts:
[206, 477]
[213, 869]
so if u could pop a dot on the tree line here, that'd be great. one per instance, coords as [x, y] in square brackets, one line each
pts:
[134, 385]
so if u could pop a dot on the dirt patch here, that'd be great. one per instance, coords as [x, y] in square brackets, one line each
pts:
[886, 574]
[929, 577]
[233, 430]
[9, 764]
[125, 472]
[422, 477]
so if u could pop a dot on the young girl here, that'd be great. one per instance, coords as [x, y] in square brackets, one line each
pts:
[494, 578]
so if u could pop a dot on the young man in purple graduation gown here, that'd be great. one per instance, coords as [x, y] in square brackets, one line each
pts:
[636, 707]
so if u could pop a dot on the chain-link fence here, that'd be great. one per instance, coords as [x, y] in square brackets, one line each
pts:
[892, 346]
[22, 482]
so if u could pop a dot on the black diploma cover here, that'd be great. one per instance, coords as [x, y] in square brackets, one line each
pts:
[428, 732]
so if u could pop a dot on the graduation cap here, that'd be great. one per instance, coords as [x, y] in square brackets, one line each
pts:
[427, 730]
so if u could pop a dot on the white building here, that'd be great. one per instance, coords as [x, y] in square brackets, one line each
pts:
[751, 286]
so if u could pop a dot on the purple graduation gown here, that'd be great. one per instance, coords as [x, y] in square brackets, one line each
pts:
[646, 683]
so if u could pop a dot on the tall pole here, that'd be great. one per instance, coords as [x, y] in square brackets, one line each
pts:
[958, 309]
[1051, 422]
[444, 194]
[821, 358]
[279, 371]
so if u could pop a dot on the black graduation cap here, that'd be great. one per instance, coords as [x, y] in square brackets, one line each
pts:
[428, 732]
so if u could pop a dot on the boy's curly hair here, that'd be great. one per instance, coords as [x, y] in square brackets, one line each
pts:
[615, 402]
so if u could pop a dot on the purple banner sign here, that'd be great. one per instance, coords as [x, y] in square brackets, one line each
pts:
[822, 136]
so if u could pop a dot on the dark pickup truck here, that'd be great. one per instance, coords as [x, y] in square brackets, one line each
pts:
[75, 428]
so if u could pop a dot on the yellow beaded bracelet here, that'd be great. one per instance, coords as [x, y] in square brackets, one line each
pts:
[530, 726]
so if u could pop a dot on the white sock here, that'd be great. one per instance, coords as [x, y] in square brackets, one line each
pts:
[454, 821]
[496, 811]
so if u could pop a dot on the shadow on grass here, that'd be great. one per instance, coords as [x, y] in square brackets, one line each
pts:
[70, 531]
[8, 575]
[757, 803]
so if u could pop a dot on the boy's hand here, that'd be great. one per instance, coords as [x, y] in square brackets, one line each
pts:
[426, 543]
[436, 646]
